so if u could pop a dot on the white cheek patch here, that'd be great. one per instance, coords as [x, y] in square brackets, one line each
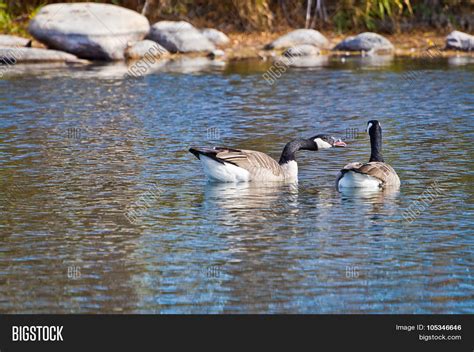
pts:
[322, 144]
[369, 126]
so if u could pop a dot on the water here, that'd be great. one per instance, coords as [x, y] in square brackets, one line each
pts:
[81, 148]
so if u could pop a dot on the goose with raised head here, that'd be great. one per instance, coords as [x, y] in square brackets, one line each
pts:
[376, 173]
[241, 165]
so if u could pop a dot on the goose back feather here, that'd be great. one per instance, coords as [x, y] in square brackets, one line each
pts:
[259, 165]
[377, 171]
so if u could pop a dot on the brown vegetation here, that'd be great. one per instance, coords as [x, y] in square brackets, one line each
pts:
[387, 16]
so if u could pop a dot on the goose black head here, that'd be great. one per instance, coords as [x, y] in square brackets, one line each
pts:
[372, 126]
[324, 141]
[321, 141]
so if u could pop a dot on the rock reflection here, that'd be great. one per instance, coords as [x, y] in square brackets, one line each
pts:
[311, 61]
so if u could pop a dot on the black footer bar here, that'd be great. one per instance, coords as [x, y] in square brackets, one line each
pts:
[292, 332]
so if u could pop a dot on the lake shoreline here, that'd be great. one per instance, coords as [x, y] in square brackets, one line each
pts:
[425, 45]
[415, 45]
[71, 32]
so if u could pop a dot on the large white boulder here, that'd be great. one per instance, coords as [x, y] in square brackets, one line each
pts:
[12, 56]
[302, 50]
[89, 30]
[217, 37]
[180, 36]
[299, 37]
[145, 48]
[12, 40]
[365, 42]
[460, 41]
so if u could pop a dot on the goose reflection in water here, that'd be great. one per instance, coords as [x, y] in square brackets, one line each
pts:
[371, 204]
[249, 202]
[372, 196]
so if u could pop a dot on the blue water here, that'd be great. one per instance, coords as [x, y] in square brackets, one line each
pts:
[80, 147]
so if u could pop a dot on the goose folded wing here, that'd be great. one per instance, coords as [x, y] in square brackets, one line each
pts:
[249, 160]
[382, 171]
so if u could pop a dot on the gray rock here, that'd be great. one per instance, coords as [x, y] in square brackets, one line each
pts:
[145, 48]
[460, 41]
[89, 30]
[172, 26]
[365, 42]
[298, 37]
[11, 56]
[215, 36]
[179, 36]
[12, 40]
[302, 50]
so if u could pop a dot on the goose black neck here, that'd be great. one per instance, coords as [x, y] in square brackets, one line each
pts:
[289, 152]
[376, 144]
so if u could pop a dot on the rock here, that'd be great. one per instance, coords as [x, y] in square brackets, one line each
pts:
[145, 48]
[11, 56]
[216, 37]
[171, 26]
[365, 42]
[13, 40]
[460, 41]
[302, 50]
[298, 37]
[89, 30]
[179, 36]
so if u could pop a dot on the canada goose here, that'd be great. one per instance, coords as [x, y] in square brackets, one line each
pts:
[374, 174]
[238, 165]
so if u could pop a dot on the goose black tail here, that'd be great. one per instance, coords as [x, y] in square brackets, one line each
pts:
[195, 152]
[209, 152]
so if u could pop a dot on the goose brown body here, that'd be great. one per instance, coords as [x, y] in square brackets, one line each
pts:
[260, 166]
[378, 170]
[375, 173]
[236, 165]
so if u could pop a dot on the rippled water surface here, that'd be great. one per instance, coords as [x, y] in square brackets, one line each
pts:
[80, 148]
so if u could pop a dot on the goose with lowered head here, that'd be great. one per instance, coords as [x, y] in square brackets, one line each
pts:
[241, 165]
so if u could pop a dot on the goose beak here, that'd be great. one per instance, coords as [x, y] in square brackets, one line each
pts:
[339, 143]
